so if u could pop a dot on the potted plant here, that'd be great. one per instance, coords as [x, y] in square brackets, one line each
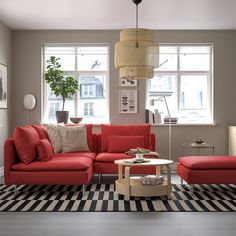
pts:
[61, 86]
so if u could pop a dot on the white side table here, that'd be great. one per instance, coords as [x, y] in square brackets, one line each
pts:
[198, 147]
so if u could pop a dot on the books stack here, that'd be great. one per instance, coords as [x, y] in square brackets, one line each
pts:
[149, 117]
[173, 120]
[152, 180]
[152, 118]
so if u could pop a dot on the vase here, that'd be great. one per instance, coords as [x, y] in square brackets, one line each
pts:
[62, 116]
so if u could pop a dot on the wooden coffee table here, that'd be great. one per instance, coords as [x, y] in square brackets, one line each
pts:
[131, 186]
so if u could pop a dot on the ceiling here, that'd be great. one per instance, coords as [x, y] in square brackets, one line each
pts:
[118, 14]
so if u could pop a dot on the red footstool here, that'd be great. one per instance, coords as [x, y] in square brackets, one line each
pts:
[207, 169]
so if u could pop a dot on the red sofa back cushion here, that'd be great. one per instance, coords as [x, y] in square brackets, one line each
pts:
[124, 143]
[44, 149]
[41, 130]
[26, 140]
[125, 130]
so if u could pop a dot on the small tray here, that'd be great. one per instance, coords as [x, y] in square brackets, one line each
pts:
[138, 160]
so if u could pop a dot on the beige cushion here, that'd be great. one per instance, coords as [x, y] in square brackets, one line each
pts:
[74, 138]
[54, 136]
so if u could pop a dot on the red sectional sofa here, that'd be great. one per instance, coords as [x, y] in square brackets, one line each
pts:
[76, 168]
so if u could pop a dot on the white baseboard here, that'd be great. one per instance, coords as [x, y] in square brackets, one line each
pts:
[1, 172]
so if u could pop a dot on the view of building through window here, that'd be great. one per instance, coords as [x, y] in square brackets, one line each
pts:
[89, 65]
[185, 78]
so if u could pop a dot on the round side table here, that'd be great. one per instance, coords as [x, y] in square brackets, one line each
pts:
[131, 186]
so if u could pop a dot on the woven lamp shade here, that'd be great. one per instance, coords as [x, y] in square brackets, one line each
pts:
[136, 62]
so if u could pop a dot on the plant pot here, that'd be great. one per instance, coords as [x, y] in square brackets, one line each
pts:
[62, 116]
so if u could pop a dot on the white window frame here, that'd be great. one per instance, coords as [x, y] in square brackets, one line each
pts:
[76, 74]
[178, 73]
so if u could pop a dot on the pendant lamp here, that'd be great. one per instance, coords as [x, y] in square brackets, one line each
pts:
[137, 53]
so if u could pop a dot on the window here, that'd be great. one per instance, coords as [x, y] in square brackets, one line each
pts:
[185, 79]
[88, 90]
[89, 65]
[88, 109]
[53, 107]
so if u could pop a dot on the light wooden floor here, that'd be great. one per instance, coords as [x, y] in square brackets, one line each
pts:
[112, 224]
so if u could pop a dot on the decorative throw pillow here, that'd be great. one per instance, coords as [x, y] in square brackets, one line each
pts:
[124, 143]
[54, 136]
[125, 130]
[26, 140]
[89, 128]
[74, 138]
[44, 149]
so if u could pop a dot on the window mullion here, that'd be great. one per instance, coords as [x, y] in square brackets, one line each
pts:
[178, 82]
[76, 99]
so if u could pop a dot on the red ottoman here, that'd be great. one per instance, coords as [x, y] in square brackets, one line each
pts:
[207, 169]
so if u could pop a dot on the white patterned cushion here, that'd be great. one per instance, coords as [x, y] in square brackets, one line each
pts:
[74, 138]
[54, 136]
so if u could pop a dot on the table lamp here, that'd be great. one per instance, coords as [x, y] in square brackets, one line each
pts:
[29, 102]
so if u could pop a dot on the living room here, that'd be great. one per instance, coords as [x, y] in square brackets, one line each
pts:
[24, 36]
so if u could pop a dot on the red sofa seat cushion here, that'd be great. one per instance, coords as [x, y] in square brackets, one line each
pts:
[124, 143]
[44, 150]
[208, 162]
[57, 163]
[26, 140]
[90, 155]
[111, 157]
[125, 130]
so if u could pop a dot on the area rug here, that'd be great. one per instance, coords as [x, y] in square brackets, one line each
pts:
[103, 198]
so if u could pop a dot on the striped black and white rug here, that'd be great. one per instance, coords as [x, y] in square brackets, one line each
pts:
[103, 198]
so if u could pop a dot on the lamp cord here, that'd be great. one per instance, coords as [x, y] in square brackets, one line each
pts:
[27, 117]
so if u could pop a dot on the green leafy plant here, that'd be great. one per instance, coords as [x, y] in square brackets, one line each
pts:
[60, 85]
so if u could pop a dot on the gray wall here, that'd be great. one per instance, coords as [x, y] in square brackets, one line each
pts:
[27, 79]
[5, 58]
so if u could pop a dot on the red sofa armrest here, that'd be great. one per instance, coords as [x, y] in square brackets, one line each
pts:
[153, 142]
[10, 158]
[99, 136]
[95, 143]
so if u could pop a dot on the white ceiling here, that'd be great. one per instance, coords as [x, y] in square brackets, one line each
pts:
[118, 14]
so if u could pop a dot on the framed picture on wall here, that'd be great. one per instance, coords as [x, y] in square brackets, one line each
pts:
[128, 83]
[128, 101]
[3, 86]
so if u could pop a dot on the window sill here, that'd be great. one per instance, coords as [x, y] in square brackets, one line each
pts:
[180, 125]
